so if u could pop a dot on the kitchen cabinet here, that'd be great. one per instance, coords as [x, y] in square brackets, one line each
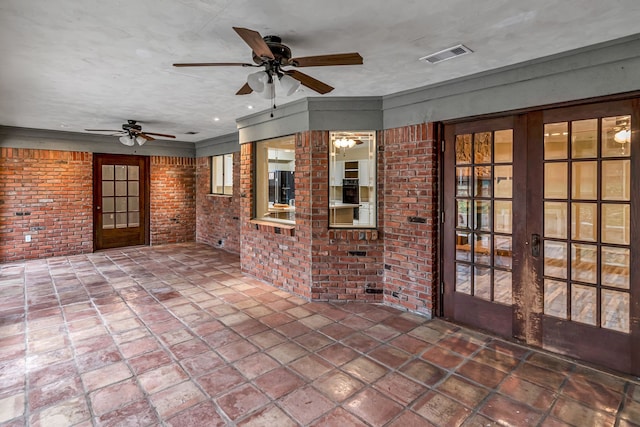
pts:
[364, 173]
[338, 173]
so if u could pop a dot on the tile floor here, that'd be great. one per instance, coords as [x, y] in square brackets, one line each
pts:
[177, 336]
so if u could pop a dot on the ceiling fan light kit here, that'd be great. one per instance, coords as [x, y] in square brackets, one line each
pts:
[131, 133]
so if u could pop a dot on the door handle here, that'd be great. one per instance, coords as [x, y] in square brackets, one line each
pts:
[535, 245]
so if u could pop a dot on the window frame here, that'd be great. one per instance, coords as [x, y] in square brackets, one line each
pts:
[370, 195]
[227, 163]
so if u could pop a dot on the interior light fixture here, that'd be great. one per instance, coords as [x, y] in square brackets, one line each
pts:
[140, 140]
[256, 81]
[289, 84]
[623, 136]
[344, 143]
[127, 140]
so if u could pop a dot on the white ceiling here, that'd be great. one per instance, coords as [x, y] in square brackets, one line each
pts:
[70, 65]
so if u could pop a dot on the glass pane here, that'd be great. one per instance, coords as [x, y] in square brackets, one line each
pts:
[463, 182]
[482, 183]
[107, 172]
[121, 172]
[482, 147]
[121, 188]
[615, 267]
[615, 310]
[555, 220]
[463, 246]
[134, 204]
[482, 249]
[463, 148]
[584, 139]
[482, 283]
[583, 304]
[502, 287]
[503, 179]
[502, 251]
[555, 140]
[616, 180]
[134, 188]
[585, 180]
[482, 215]
[121, 204]
[502, 216]
[108, 221]
[463, 278]
[555, 259]
[615, 224]
[583, 263]
[107, 188]
[121, 220]
[108, 204]
[555, 181]
[462, 213]
[584, 221]
[134, 219]
[503, 146]
[134, 172]
[555, 298]
[616, 136]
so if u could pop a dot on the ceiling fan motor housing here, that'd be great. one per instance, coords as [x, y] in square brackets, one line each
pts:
[281, 52]
[132, 126]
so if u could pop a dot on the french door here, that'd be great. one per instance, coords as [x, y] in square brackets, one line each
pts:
[121, 200]
[540, 229]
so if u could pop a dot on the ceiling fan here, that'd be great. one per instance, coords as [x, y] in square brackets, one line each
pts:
[131, 133]
[272, 55]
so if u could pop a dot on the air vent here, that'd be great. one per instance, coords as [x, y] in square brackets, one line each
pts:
[191, 133]
[445, 54]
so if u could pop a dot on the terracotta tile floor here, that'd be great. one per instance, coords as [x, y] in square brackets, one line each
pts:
[177, 336]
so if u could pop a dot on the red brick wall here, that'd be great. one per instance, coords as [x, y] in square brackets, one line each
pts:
[217, 217]
[55, 187]
[411, 178]
[338, 274]
[276, 254]
[173, 200]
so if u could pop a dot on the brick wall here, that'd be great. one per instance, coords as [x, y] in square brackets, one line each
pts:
[217, 217]
[173, 199]
[278, 255]
[337, 272]
[54, 193]
[411, 179]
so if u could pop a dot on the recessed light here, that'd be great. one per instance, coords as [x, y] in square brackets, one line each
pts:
[250, 107]
[216, 119]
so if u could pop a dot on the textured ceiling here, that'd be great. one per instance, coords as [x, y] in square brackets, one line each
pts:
[70, 65]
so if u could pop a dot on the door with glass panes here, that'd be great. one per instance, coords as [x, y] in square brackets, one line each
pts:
[539, 233]
[120, 200]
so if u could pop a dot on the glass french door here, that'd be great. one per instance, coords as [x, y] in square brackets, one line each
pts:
[120, 201]
[539, 233]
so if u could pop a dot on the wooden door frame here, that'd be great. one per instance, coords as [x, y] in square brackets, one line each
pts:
[145, 178]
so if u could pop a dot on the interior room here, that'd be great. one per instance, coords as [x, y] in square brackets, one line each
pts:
[242, 214]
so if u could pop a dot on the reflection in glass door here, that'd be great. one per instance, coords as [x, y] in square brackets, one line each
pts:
[483, 209]
[587, 195]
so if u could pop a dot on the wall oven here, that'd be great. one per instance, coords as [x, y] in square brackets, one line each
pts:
[351, 194]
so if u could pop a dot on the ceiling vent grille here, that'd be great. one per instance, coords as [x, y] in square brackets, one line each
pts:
[445, 54]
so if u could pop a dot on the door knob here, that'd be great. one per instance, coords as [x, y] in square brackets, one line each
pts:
[535, 245]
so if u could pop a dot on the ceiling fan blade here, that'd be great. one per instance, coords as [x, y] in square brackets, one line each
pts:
[102, 130]
[310, 82]
[244, 90]
[353, 58]
[255, 42]
[215, 64]
[144, 135]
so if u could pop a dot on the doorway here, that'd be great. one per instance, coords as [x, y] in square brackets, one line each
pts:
[121, 201]
[538, 232]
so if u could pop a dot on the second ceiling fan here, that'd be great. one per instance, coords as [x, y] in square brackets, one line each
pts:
[273, 56]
